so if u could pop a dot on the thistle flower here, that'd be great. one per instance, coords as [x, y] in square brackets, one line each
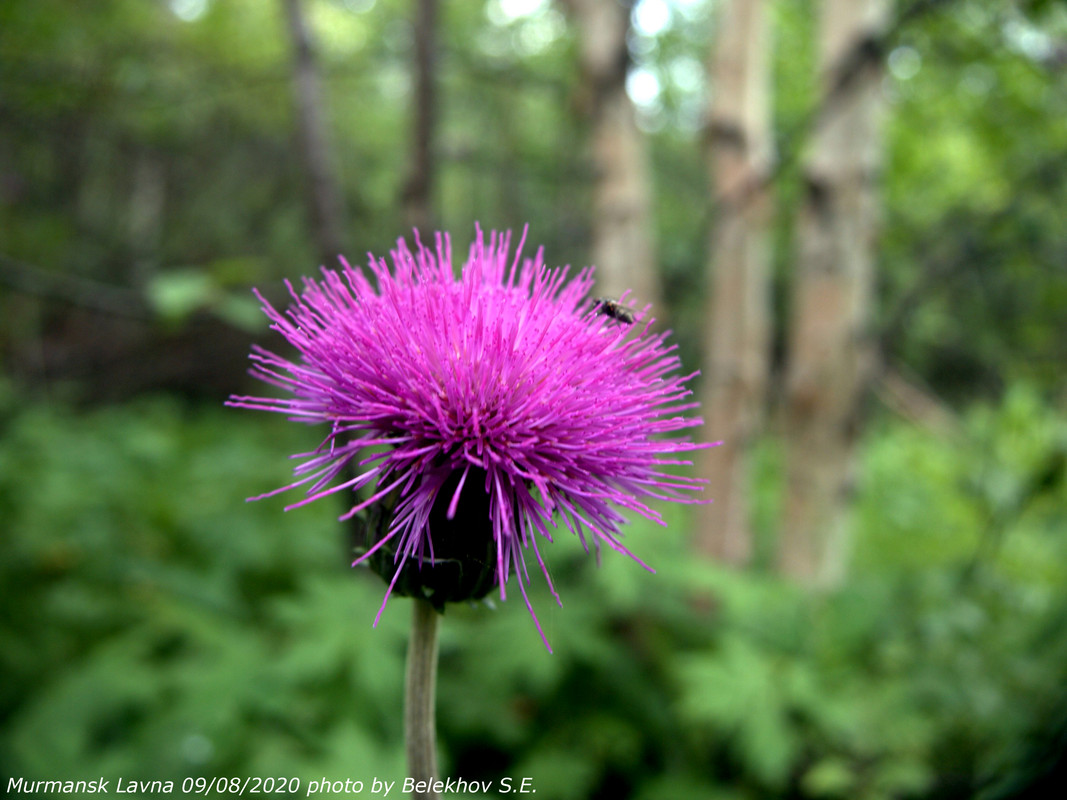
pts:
[482, 412]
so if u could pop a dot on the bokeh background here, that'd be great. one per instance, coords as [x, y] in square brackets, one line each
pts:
[160, 157]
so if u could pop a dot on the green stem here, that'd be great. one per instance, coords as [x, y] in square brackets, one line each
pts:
[420, 692]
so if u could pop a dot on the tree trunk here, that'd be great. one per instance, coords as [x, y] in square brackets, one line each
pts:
[830, 344]
[325, 207]
[145, 217]
[738, 313]
[417, 195]
[622, 247]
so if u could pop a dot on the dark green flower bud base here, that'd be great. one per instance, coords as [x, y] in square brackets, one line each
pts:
[464, 562]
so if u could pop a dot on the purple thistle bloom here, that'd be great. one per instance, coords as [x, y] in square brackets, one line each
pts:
[506, 395]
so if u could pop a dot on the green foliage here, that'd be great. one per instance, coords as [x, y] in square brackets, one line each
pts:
[179, 293]
[109, 103]
[153, 625]
[156, 626]
[974, 290]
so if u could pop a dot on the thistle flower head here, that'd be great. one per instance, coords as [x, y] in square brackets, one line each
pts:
[479, 413]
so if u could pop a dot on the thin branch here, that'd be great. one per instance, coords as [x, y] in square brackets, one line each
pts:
[102, 298]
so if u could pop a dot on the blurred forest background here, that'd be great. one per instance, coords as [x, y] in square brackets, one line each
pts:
[851, 213]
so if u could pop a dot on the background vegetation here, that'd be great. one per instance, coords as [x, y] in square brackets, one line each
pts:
[153, 625]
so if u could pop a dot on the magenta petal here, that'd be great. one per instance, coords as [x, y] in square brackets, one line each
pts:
[508, 368]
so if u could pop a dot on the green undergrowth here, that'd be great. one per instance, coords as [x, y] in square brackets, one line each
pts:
[153, 625]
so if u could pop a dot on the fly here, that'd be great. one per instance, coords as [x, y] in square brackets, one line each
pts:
[614, 309]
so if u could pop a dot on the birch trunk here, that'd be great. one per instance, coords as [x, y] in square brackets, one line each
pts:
[831, 351]
[738, 316]
[622, 247]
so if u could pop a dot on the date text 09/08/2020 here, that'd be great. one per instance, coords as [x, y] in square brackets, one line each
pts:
[255, 785]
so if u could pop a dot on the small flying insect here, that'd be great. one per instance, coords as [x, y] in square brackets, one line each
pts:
[614, 309]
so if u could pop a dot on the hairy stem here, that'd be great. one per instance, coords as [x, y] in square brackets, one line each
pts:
[420, 693]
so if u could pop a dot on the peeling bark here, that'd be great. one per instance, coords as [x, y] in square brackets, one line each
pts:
[739, 154]
[831, 350]
[622, 247]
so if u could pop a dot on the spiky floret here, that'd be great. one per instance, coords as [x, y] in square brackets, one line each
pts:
[503, 383]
